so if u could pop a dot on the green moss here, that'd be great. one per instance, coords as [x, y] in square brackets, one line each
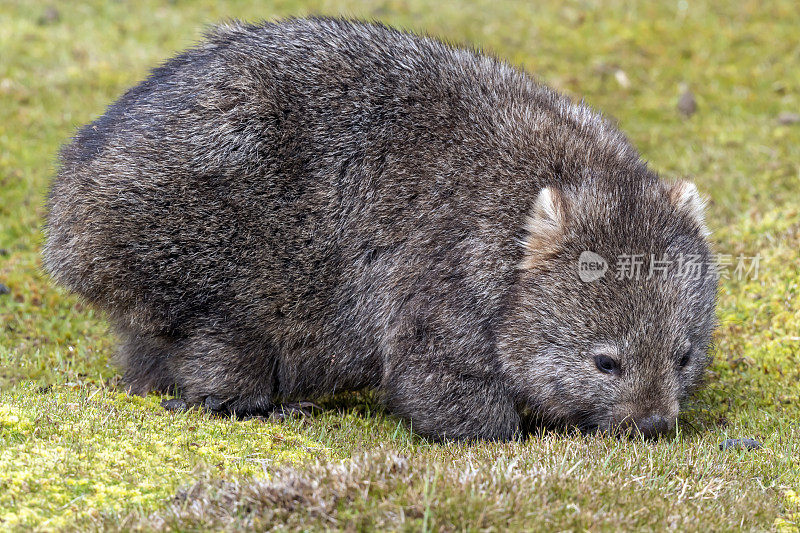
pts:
[74, 452]
[790, 521]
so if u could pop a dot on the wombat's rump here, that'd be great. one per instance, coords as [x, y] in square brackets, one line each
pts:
[296, 208]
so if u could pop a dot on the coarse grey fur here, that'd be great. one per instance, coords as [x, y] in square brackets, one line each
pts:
[297, 208]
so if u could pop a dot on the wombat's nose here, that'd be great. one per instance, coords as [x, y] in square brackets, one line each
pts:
[654, 425]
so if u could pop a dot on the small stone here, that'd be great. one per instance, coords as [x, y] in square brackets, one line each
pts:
[687, 104]
[786, 119]
[174, 404]
[4, 252]
[4, 290]
[740, 444]
[622, 79]
[51, 15]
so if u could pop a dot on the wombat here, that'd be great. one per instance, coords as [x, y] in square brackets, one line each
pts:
[292, 209]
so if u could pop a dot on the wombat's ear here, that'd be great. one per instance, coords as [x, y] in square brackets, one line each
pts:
[543, 226]
[687, 200]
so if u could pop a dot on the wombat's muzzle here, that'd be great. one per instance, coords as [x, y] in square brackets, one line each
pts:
[649, 427]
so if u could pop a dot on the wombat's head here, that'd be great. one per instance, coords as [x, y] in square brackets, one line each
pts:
[610, 322]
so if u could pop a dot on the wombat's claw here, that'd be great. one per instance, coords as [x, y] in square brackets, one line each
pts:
[174, 404]
[214, 405]
[288, 410]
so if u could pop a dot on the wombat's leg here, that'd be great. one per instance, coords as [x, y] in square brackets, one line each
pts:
[225, 377]
[441, 403]
[145, 360]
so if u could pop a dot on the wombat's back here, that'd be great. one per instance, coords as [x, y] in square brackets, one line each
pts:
[256, 153]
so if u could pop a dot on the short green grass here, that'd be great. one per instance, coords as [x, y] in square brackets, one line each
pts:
[71, 450]
[77, 454]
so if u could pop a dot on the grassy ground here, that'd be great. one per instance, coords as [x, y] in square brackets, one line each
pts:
[75, 453]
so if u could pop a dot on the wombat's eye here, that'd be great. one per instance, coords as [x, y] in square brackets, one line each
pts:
[606, 364]
[685, 358]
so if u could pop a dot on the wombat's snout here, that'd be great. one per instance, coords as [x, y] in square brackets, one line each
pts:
[649, 427]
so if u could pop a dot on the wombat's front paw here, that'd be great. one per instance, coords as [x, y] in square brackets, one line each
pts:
[253, 407]
[211, 404]
[288, 410]
[174, 404]
[215, 405]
